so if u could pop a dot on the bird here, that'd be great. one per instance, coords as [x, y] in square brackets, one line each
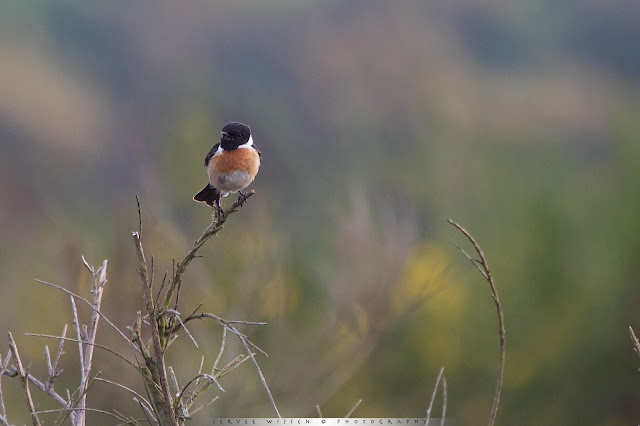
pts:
[232, 164]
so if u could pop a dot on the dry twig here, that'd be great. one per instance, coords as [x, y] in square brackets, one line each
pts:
[482, 266]
[353, 409]
[636, 342]
[215, 226]
[244, 341]
[433, 395]
[75, 403]
[161, 407]
[165, 323]
[443, 416]
[24, 376]
[3, 368]
[107, 320]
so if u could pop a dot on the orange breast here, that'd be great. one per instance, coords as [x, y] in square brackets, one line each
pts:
[246, 159]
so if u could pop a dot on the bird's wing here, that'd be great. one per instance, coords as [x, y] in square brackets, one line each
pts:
[210, 154]
[256, 148]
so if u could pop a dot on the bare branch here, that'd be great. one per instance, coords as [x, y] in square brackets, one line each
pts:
[3, 369]
[205, 405]
[174, 380]
[475, 262]
[228, 324]
[136, 331]
[88, 336]
[195, 394]
[86, 360]
[634, 339]
[142, 271]
[156, 372]
[206, 315]
[127, 420]
[153, 272]
[24, 375]
[353, 409]
[147, 412]
[107, 320]
[222, 345]
[433, 395]
[319, 411]
[212, 378]
[215, 226]
[161, 374]
[54, 372]
[95, 410]
[141, 399]
[235, 363]
[90, 344]
[244, 341]
[13, 372]
[483, 266]
[177, 316]
[200, 368]
[139, 216]
[80, 340]
[164, 279]
[443, 416]
[86, 264]
[47, 358]
[98, 284]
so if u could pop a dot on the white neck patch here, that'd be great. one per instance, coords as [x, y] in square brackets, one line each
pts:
[247, 144]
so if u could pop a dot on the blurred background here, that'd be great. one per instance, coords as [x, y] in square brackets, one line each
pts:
[377, 121]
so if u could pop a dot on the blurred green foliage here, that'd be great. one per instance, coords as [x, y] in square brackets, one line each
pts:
[377, 121]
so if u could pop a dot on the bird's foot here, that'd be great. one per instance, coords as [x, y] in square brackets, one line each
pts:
[242, 197]
[218, 211]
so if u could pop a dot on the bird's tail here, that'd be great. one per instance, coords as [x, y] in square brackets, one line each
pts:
[208, 195]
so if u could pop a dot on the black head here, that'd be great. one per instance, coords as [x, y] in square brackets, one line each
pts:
[234, 134]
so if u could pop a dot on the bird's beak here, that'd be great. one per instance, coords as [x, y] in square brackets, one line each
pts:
[225, 135]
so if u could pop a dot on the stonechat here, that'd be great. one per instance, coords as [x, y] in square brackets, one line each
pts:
[231, 164]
